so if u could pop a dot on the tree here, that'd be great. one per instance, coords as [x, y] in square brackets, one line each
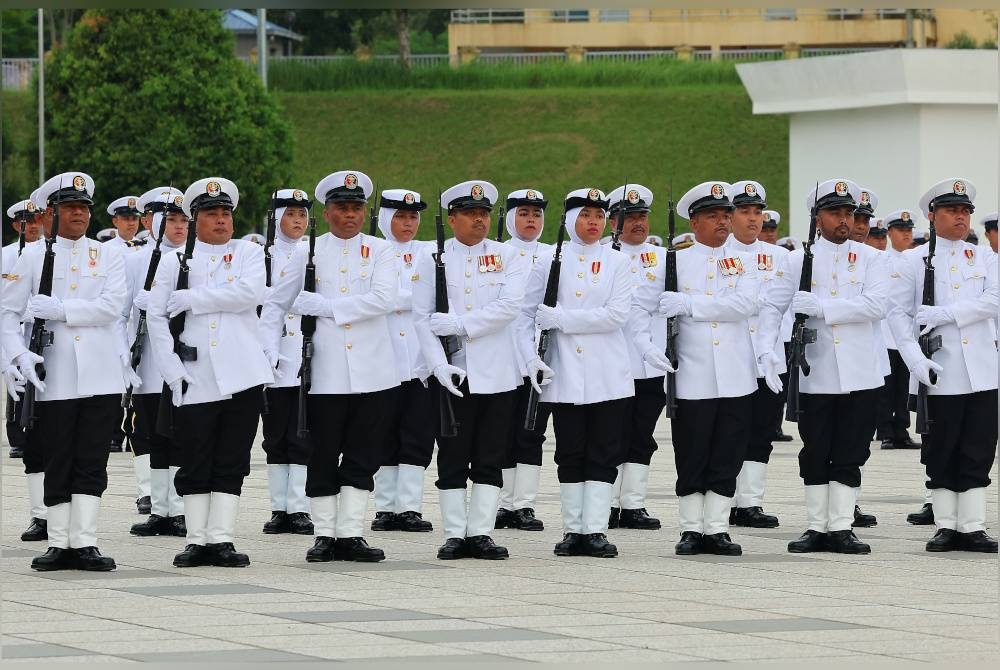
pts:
[403, 33]
[138, 99]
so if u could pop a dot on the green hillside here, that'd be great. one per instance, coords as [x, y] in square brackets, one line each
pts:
[553, 139]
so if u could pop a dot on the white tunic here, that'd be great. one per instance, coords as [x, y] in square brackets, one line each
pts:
[528, 253]
[409, 360]
[89, 279]
[767, 258]
[968, 286]
[290, 344]
[645, 266]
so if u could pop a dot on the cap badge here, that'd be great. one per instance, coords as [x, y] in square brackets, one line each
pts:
[767, 217]
[530, 195]
[408, 199]
[30, 207]
[718, 191]
[213, 188]
[131, 202]
[351, 180]
[178, 200]
[80, 184]
[593, 194]
[750, 189]
[841, 188]
[633, 196]
[477, 192]
[905, 216]
[866, 199]
[298, 195]
[959, 188]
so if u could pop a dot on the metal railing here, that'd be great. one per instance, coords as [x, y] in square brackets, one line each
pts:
[808, 52]
[629, 56]
[17, 73]
[646, 15]
[523, 58]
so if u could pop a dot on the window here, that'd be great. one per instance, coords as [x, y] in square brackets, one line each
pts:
[614, 15]
[571, 15]
[779, 14]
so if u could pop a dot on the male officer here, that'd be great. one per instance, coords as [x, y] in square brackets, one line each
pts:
[877, 234]
[716, 374]
[961, 376]
[485, 293]
[80, 396]
[848, 298]
[867, 202]
[989, 224]
[354, 378]
[125, 215]
[769, 227]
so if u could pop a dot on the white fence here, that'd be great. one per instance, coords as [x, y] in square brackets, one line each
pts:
[17, 73]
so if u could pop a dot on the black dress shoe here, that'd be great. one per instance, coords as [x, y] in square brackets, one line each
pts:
[356, 549]
[908, 443]
[384, 521]
[754, 517]
[114, 446]
[194, 555]
[504, 519]
[154, 525]
[54, 558]
[862, 520]
[176, 526]
[90, 559]
[780, 436]
[16, 452]
[846, 542]
[483, 546]
[887, 443]
[637, 519]
[143, 505]
[720, 544]
[524, 519]
[979, 541]
[278, 523]
[945, 539]
[597, 545]
[734, 517]
[224, 555]
[453, 548]
[809, 542]
[413, 522]
[300, 523]
[36, 530]
[321, 551]
[614, 518]
[569, 545]
[925, 517]
[689, 545]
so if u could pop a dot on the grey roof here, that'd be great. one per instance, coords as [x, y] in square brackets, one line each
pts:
[240, 21]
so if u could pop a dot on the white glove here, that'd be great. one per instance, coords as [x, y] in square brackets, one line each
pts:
[179, 301]
[132, 379]
[46, 307]
[275, 359]
[930, 317]
[922, 371]
[769, 364]
[804, 302]
[14, 381]
[177, 389]
[657, 359]
[26, 363]
[443, 373]
[549, 318]
[444, 324]
[312, 304]
[674, 304]
[535, 366]
[141, 301]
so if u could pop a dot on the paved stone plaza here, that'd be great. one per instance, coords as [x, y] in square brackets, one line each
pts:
[645, 606]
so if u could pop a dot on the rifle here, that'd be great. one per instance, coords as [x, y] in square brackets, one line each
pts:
[268, 243]
[140, 328]
[801, 336]
[673, 323]
[308, 328]
[449, 424]
[501, 223]
[616, 234]
[928, 342]
[550, 299]
[165, 416]
[13, 405]
[40, 337]
[373, 214]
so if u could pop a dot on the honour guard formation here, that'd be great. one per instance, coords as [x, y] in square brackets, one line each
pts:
[356, 348]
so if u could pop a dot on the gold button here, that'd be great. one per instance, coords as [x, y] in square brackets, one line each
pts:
[522, 252]
[343, 268]
[77, 338]
[833, 291]
[347, 326]
[582, 258]
[952, 253]
[230, 279]
[291, 333]
[468, 290]
[343, 289]
[715, 342]
[836, 341]
[579, 275]
[74, 252]
[708, 293]
[711, 259]
[93, 274]
[72, 287]
[633, 269]
[213, 259]
[834, 276]
[212, 325]
[214, 344]
[468, 259]
[73, 268]
[468, 274]
[468, 308]
[579, 350]
[715, 325]
[955, 285]
[349, 345]
[398, 254]
[711, 275]
[729, 284]
[291, 316]
[965, 341]
[833, 325]
[814, 283]
[364, 275]
[954, 269]
[402, 333]
[579, 293]
[345, 252]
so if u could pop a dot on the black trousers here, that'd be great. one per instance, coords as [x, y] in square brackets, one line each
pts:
[347, 433]
[282, 443]
[962, 443]
[641, 415]
[410, 438]
[836, 430]
[31, 459]
[477, 452]
[215, 439]
[710, 439]
[73, 436]
[526, 445]
[766, 409]
[589, 444]
[145, 439]
[893, 414]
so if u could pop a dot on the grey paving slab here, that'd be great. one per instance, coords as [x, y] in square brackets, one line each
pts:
[356, 615]
[480, 635]
[771, 625]
[198, 589]
[862, 533]
[431, 660]
[119, 573]
[749, 557]
[221, 656]
[383, 566]
[40, 651]
[7, 552]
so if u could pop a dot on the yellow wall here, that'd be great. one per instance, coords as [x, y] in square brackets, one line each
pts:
[980, 23]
